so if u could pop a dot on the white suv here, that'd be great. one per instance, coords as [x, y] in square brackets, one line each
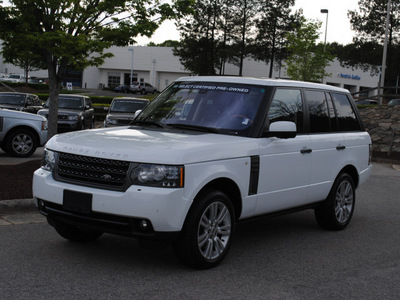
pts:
[205, 154]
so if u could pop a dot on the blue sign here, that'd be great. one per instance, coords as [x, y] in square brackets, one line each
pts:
[355, 77]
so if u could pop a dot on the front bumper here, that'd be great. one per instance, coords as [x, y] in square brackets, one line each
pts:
[163, 211]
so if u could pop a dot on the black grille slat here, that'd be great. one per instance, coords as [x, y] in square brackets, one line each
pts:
[87, 170]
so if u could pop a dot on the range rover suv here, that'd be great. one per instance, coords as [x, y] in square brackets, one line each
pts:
[122, 111]
[20, 101]
[205, 154]
[75, 112]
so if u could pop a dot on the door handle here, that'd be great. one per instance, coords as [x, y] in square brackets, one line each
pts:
[340, 148]
[303, 151]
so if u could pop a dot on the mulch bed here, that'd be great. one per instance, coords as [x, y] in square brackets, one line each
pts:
[16, 180]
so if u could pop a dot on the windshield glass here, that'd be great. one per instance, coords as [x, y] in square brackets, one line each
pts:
[226, 107]
[15, 76]
[14, 99]
[127, 106]
[68, 103]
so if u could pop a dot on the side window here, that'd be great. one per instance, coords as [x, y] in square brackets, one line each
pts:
[287, 105]
[346, 117]
[88, 102]
[318, 111]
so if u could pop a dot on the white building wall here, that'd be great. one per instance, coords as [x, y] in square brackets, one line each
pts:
[159, 67]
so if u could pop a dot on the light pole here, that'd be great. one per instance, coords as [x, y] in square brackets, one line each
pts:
[130, 80]
[325, 11]
[382, 81]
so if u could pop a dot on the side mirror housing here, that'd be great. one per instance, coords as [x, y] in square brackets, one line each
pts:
[137, 113]
[282, 130]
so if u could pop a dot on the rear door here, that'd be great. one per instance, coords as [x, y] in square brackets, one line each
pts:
[326, 142]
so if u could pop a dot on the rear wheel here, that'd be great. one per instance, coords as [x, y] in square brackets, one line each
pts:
[337, 211]
[77, 234]
[208, 231]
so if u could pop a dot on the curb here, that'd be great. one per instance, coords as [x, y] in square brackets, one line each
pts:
[17, 206]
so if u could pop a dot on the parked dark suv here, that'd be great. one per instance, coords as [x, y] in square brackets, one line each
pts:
[20, 101]
[75, 112]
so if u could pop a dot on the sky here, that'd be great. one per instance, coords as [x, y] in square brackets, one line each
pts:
[338, 22]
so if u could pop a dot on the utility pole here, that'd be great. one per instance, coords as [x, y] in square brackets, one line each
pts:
[382, 82]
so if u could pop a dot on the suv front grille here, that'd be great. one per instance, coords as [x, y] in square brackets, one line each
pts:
[92, 171]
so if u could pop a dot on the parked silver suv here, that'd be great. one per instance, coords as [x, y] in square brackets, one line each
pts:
[21, 133]
[142, 88]
[122, 111]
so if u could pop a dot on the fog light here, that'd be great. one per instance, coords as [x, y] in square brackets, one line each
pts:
[143, 225]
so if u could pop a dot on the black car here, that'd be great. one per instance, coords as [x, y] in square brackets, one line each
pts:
[21, 102]
[75, 112]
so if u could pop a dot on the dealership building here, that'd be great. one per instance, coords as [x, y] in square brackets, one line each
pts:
[159, 67]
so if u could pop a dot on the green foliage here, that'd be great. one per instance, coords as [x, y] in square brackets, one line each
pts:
[221, 31]
[276, 21]
[369, 23]
[167, 43]
[307, 60]
[69, 35]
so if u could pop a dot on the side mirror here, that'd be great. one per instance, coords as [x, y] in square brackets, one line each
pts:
[137, 113]
[282, 130]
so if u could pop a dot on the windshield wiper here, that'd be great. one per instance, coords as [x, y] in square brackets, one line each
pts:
[193, 127]
[148, 123]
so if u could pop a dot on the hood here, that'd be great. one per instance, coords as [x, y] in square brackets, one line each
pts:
[11, 106]
[21, 115]
[61, 111]
[153, 146]
[118, 115]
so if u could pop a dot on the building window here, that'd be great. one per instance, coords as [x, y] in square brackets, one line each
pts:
[114, 79]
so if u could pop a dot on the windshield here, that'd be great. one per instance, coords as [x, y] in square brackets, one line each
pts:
[127, 106]
[224, 107]
[68, 103]
[15, 76]
[14, 99]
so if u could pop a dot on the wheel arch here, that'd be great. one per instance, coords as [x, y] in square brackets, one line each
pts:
[24, 127]
[352, 171]
[227, 186]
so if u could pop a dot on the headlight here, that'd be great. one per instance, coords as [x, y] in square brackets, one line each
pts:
[48, 160]
[73, 117]
[158, 175]
[111, 121]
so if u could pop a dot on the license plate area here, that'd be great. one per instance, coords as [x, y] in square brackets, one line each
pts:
[77, 201]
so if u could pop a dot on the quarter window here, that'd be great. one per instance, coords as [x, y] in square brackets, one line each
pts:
[345, 113]
[287, 105]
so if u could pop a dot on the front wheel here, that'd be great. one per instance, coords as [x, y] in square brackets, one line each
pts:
[208, 231]
[337, 211]
[21, 143]
[77, 234]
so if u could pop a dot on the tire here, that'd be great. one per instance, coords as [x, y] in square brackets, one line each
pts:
[208, 231]
[337, 211]
[21, 143]
[76, 234]
[143, 92]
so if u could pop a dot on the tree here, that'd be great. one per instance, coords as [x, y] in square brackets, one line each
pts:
[245, 13]
[307, 60]
[276, 20]
[198, 51]
[72, 34]
[369, 24]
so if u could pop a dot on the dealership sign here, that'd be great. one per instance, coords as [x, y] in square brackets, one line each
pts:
[348, 76]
